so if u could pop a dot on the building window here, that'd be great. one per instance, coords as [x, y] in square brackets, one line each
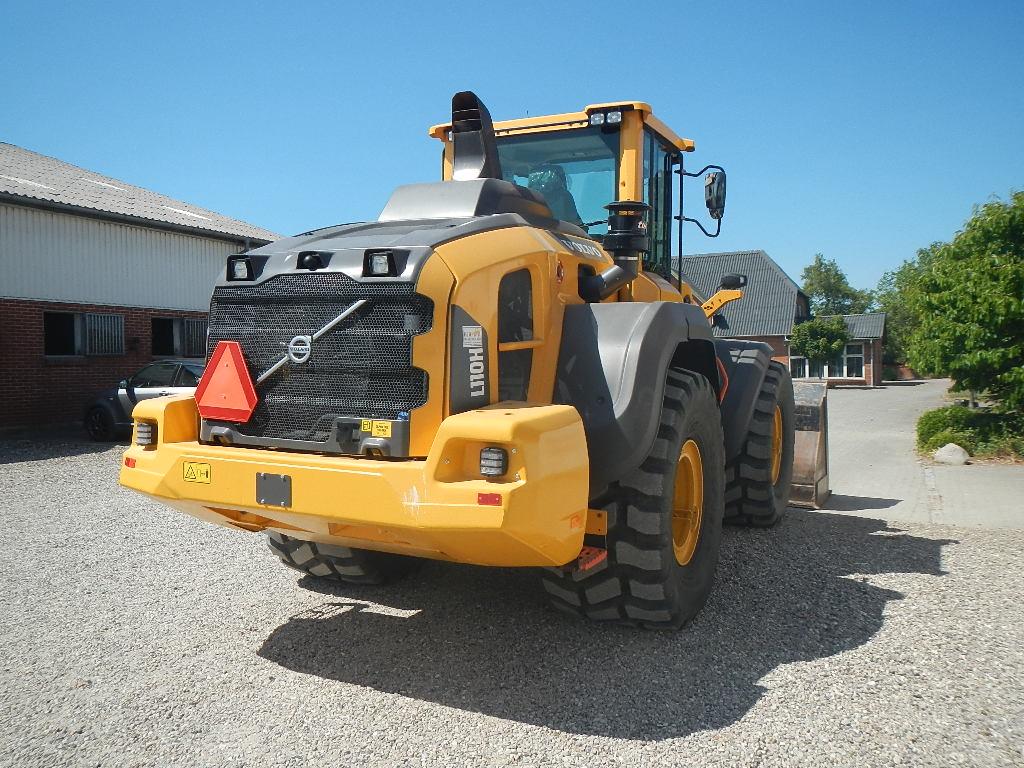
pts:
[848, 364]
[178, 337]
[798, 367]
[71, 333]
[104, 334]
[61, 334]
[854, 361]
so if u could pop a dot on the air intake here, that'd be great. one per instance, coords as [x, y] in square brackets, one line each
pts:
[475, 151]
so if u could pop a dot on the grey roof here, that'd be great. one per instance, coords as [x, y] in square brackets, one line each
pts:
[866, 326]
[769, 304]
[31, 178]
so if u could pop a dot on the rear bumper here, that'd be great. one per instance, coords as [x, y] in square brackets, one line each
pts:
[427, 508]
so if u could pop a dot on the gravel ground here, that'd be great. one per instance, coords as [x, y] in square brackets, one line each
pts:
[133, 635]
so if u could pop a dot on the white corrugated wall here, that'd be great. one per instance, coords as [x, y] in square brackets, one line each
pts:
[61, 257]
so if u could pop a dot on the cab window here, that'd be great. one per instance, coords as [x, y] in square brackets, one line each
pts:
[575, 170]
[515, 324]
[658, 165]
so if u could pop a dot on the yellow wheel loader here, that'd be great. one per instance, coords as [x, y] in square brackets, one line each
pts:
[505, 369]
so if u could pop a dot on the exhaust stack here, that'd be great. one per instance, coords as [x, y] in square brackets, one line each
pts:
[475, 151]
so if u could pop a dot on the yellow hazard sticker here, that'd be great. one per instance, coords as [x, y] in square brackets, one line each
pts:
[366, 425]
[381, 429]
[196, 472]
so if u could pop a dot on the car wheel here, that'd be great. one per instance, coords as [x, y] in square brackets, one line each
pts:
[99, 425]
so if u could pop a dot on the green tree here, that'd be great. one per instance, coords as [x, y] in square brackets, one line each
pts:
[891, 297]
[969, 303]
[821, 339]
[829, 291]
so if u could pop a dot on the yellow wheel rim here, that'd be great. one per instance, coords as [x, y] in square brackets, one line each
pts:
[776, 445]
[687, 502]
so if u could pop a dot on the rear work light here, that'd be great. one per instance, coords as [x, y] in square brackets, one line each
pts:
[380, 263]
[145, 433]
[493, 462]
[239, 268]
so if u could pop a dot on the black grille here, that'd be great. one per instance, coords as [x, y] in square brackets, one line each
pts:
[362, 367]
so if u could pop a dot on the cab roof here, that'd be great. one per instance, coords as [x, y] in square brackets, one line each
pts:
[577, 120]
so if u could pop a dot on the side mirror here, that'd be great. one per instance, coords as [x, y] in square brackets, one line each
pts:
[733, 282]
[714, 194]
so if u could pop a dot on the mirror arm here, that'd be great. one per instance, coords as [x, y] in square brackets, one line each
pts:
[683, 172]
[709, 234]
[704, 170]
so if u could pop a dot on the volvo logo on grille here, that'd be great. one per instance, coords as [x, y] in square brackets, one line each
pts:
[299, 349]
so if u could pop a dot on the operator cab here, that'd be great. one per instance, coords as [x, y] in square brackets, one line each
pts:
[580, 162]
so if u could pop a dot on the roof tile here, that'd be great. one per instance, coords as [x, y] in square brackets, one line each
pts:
[33, 176]
[768, 307]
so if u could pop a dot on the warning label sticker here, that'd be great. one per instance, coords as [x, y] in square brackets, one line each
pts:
[472, 336]
[196, 472]
[381, 429]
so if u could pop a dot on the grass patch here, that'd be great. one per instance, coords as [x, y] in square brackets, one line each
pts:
[981, 432]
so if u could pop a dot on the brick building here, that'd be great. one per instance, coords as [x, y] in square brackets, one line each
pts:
[773, 304]
[97, 278]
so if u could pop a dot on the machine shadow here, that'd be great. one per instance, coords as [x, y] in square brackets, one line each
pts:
[838, 502]
[485, 641]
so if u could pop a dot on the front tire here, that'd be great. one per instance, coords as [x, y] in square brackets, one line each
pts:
[327, 561]
[664, 522]
[758, 479]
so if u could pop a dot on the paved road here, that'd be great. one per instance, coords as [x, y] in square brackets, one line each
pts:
[132, 635]
[875, 472]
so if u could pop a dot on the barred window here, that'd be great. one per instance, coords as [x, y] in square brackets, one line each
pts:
[178, 337]
[104, 334]
[194, 338]
[68, 334]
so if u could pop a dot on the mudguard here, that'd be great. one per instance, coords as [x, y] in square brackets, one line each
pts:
[611, 368]
[746, 363]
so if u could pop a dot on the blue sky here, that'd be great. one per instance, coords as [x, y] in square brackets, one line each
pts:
[860, 130]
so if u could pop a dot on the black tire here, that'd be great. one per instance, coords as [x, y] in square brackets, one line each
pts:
[751, 498]
[641, 582]
[326, 561]
[99, 424]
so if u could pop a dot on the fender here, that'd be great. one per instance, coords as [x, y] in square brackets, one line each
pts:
[746, 363]
[611, 368]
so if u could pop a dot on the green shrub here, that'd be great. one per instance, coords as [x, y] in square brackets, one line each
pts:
[980, 432]
[964, 439]
[951, 417]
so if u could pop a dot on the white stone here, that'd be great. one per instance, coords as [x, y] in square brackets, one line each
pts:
[951, 453]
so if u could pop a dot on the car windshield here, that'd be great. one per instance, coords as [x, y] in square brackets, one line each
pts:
[575, 171]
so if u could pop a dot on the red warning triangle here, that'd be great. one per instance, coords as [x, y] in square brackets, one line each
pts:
[226, 391]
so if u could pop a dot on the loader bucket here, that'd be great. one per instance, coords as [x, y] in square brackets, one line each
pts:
[810, 449]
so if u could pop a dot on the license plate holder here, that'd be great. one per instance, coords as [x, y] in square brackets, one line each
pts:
[273, 490]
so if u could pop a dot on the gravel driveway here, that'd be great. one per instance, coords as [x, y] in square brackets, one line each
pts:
[133, 635]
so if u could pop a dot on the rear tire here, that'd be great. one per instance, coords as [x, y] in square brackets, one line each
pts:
[642, 581]
[752, 495]
[327, 561]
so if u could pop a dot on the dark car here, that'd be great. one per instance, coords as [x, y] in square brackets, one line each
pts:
[110, 415]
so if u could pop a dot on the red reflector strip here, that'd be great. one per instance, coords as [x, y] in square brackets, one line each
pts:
[129, 462]
[589, 557]
[489, 499]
